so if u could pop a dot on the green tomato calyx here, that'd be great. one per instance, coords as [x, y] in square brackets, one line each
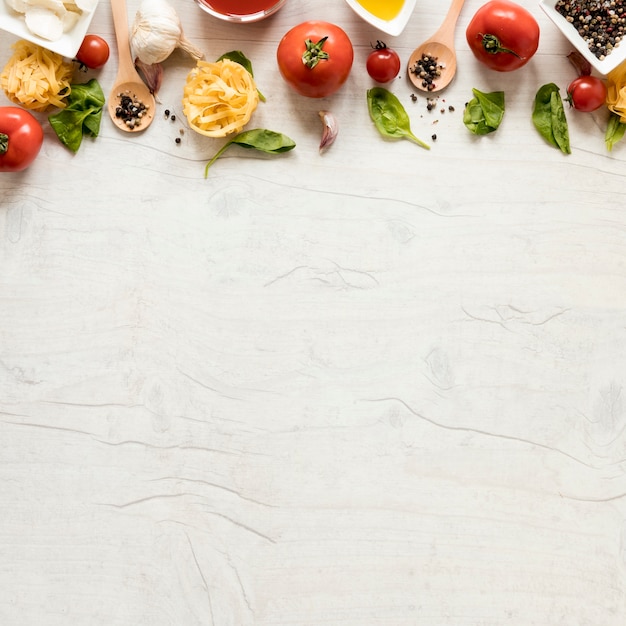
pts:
[492, 45]
[314, 53]
[4, 143]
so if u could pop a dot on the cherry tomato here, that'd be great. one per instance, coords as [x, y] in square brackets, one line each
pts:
[93, 52]
[383, 63]
[21, 137]
[315, 58]
[503, 35]
[586, 93]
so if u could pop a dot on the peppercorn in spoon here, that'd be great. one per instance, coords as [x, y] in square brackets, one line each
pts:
[131, 104]
[432, 65]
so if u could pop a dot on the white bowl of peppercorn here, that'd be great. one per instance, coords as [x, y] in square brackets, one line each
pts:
[596, 29]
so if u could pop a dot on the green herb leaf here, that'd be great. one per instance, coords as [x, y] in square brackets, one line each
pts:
[389, 116]
[614, 131]
[238, 56]
[260, 139]
[484, 112]
[82, 115]
[549, 117]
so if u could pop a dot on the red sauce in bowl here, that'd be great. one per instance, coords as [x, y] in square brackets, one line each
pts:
[241, 9]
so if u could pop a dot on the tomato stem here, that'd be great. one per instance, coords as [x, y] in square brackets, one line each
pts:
[491, 44]
[314, 53]
[4, 143]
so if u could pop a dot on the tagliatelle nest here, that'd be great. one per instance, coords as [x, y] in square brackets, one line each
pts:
[36, 78]
[616, 92]
[219, 98]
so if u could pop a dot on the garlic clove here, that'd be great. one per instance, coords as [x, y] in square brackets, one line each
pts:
[331, 129]
[152, 75]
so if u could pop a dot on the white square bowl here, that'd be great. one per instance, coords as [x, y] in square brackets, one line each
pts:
[612, 60]
[392, 27]
[67, 45]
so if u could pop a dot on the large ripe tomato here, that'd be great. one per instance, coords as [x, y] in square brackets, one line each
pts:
[315, 58]
[21, 137]
[587, 93]
[503, 35]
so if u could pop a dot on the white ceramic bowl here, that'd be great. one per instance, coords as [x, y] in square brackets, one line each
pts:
[67, 45]
[612, 60]
[392, 27]
[207, 6]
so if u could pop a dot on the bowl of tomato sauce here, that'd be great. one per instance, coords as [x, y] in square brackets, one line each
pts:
[241, 10]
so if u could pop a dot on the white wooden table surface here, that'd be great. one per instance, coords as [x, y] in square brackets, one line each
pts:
[381, 386]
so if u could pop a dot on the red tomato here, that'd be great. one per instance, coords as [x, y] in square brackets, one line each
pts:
[586, 93]
[503, 35]
[93, 52]
[315, 58]
[21, 137]
[383, 63]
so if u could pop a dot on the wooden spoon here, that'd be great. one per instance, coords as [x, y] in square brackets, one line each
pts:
[128, 83]
[441, 47]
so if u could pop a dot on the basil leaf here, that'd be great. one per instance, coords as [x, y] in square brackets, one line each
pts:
[559, 122]
[264, 140]
[82, 115]
[484, 112]
[68, 126]
[238, 56]
[389, 116]
[614, 131]
[549, 117]
[261, 139]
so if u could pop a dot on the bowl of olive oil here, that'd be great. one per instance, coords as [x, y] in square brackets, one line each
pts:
[389, 16]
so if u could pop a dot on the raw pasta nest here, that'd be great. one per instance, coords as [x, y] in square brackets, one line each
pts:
[36, 78]
[616, 92]
[219, 98]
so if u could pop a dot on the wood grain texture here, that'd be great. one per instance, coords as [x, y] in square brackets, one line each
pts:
[382, 386]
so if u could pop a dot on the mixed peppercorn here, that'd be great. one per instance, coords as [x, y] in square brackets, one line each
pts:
[130, 110]
[428, 70]
[601, 23]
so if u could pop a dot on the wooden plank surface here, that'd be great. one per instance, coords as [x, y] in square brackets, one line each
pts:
[381, 386]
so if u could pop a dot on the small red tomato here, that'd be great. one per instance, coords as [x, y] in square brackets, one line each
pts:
[93, 52]
[315, 58]
[383, 63]
[586, 93]
[21, 137]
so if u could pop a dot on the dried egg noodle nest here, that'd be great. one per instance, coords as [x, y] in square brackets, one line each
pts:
[616, 92]
[219, 98]
[36, 78]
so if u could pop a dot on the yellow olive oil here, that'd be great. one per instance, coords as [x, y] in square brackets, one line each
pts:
[383, 9]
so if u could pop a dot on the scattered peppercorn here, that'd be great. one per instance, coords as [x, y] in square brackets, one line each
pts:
[166, 113]
[433, 137]
[428, 70]
[177, 140]
[413, 97]
[130, 110]
[601, 23]
[173, 118]
[451, 109]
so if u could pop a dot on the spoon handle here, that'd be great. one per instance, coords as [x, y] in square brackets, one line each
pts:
[446, 30]
[120, 21]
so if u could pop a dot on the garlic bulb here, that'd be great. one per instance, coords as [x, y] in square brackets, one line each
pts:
[157, 32]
